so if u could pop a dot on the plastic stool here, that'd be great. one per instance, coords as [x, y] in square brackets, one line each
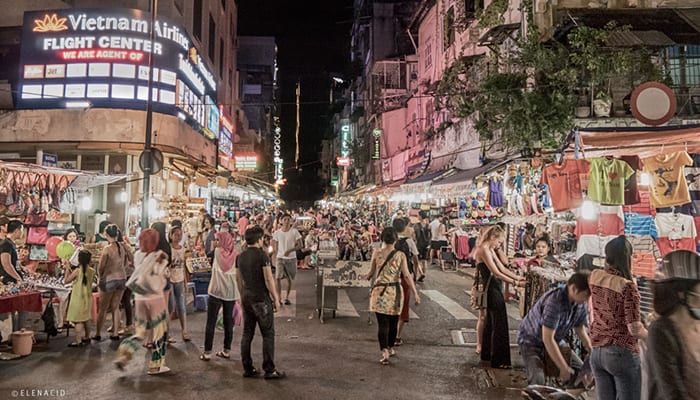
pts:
[200, 302]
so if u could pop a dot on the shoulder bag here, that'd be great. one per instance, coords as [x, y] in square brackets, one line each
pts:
[479, 293]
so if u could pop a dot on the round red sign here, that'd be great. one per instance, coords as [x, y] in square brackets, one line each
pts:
[653, 103]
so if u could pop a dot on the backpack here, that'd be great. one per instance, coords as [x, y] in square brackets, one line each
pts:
[422, 236]
[402, 246]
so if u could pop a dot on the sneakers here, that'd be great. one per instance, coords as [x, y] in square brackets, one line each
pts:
[287, 302]
[275, 375]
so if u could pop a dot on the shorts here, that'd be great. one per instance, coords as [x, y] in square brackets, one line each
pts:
[437, 244]
[113, 286]
[405, 310]
[423, 253]
[286, 268]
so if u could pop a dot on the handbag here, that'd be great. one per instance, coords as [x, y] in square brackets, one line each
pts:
[67, 204]
[479, 293]
[57, 216]
[36, 219]
[58, 228]
[38, 253]
[38, 235]
[149, 277]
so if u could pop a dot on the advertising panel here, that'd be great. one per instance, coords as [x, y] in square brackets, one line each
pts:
[245, 162]
[225, 144]
[99, 57]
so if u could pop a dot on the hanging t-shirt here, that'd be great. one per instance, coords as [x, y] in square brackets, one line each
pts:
[640, 224]
[676, 232]
[592, 244]
[608, 178]
[609, 222]
[644, 264]
[668, 184]
[565, 183]
[644, 206]
[692, 175]
[631, 191]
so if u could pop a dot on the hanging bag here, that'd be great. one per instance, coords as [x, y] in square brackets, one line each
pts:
[67, 204]
[37, 235]
[149, 277]
[479, 293]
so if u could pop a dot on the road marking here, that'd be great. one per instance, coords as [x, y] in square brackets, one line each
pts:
[345, 307]
[287, 311]
[449, 305]
[513, 311]
[412, 315]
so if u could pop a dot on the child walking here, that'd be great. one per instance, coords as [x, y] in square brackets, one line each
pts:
[80, 307]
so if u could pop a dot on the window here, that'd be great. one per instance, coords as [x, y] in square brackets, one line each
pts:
[197, 19]
[428, 56]
[449, 27]
[684, 65]
[472, 6]
[221, 57]
[212, 38]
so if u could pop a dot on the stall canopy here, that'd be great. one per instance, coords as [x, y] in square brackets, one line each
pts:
[644, 142]
[79, 180]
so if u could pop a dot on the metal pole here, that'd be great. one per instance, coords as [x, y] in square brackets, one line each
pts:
[149, 124]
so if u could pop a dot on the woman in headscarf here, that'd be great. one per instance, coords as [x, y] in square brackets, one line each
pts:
[222, 293]
[164, 246]
[151, 266]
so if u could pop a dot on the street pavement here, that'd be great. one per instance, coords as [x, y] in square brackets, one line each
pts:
[335, 360]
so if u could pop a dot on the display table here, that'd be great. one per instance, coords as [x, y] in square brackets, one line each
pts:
[343, 274]
[30, 302]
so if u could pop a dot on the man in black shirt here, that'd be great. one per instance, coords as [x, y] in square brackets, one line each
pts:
[8, 253]
[259, 301]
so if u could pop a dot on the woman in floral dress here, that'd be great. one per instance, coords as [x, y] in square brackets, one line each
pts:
[386, 300]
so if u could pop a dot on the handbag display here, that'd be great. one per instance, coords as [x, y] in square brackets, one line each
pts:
[58, 228]
[36, 219]
[479, 293]
[38, 235]
[38, 253]
[57, 216]
[67, 204]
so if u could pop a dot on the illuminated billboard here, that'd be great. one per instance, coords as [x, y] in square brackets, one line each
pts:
[225, 143]
[99, 57]
[245, 161]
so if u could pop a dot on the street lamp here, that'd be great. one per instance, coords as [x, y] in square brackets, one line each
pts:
[148, 164]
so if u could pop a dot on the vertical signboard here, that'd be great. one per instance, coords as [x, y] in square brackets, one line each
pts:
[376, 141]
[225, 143]
[345, 138]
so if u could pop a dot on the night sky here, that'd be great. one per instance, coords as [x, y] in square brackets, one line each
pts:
[313, 41]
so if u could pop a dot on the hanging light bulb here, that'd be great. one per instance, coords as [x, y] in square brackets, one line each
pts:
[589, 211]
[123, 196]
[86, 203]
[644, 179]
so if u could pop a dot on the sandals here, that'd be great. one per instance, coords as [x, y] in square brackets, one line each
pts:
[392, 353]
[398, 342]
[275, 375]
[223, 354]
[97, 338]
[148, 345]
[205, 357]
[186, 337]
[384, 361]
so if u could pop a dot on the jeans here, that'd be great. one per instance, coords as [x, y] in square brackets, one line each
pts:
[618, 373]
[177, 299]
[386, 332]
[260, 313]
[126, 305]
[533, 358]
[213, 306]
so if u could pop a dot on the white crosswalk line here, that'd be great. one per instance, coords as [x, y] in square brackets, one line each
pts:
[287, 311]
[449, 305]
[345, 307]
[513, 311]
[412, 315]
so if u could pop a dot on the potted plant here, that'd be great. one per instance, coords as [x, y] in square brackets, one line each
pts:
[602, 105]
[583, 105]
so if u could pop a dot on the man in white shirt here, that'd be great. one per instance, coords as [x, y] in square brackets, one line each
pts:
[285, 243]
[438, 238]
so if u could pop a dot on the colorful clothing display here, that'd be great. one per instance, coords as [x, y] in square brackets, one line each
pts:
[644, 264]
[669, 186]
[676, 232]
[639, 224]
[592, 244]
[609, 222]
[565, 183]
[644, 206]
[608, 180]
[631, 190]
[692, 176]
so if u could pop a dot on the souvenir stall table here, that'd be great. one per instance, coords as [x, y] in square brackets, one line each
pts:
[23, 301]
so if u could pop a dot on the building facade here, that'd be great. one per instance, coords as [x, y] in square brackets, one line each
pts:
[82, 86]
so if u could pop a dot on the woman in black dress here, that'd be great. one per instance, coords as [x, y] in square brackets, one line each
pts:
[495, 341]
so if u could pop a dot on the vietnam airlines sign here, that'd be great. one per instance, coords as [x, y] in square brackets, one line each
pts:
[100, 56]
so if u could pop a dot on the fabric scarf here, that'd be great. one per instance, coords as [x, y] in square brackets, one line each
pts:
[148, 240]
[226, 254]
